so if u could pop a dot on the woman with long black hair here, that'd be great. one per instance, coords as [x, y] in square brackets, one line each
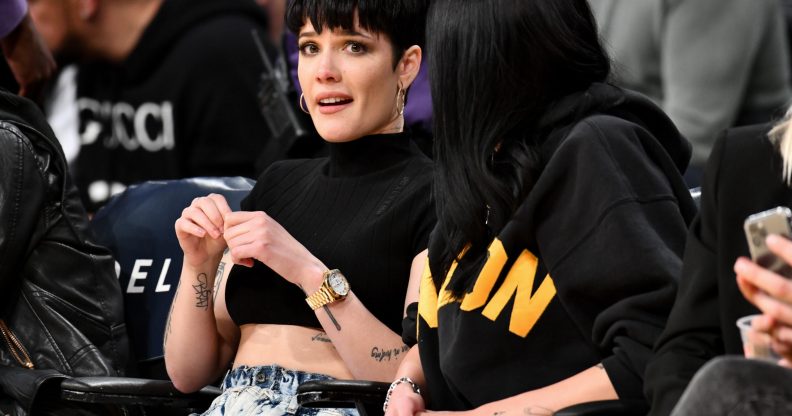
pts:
[562, 217]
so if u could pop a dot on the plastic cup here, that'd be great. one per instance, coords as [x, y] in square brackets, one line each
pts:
[756, 345]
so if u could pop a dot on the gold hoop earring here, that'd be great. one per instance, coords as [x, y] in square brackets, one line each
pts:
[401, 99]
[302, 100]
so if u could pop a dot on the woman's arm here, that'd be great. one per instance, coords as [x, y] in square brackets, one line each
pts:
[403, 401]
[589, 385]
[369, 349]
[198, 346]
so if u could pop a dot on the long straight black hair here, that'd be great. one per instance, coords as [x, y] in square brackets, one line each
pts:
[495, 66]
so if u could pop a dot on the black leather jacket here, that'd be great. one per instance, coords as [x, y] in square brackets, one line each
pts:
[61, 306]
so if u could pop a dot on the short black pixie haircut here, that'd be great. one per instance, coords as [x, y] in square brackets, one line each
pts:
[402, 21]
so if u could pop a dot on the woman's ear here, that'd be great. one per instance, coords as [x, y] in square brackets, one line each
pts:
[87, 9]
[409, 65]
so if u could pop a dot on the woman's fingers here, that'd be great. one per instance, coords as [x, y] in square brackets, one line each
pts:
[780, 246]
[243, 254]
[208, 206]
[767, 281]
[185, 226]
[221, 204]
[199, 218]
[780, 311]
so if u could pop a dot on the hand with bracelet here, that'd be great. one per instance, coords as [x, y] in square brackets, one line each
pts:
[403, 398]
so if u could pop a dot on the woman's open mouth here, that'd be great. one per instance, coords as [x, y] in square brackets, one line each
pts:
[332, 105]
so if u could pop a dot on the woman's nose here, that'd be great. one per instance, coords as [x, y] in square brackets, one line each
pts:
[328, 68]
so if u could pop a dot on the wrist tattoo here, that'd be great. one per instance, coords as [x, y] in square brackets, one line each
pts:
[202, 292]
[218, 279]
[321, 337]
[386, 354]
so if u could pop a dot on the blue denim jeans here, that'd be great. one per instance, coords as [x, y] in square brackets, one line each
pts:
[267, 390]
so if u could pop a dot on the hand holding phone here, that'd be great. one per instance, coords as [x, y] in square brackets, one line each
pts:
[758, 226]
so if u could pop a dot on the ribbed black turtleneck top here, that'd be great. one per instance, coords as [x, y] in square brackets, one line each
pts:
[365, 209]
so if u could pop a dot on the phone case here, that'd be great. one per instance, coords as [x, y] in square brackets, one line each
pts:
[758, 226]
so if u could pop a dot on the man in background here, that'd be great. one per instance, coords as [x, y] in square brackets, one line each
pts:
[164, 89]
[710, 64]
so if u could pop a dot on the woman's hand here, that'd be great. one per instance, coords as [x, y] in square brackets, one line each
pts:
[405, 402]
[200, 230]
[772, 294]
[255, 235]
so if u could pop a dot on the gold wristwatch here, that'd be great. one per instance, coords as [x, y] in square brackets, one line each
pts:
[334, 288]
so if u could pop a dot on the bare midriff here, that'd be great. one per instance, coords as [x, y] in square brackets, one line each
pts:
[291, 347]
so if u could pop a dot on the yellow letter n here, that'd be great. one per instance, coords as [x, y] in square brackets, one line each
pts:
[527, 308]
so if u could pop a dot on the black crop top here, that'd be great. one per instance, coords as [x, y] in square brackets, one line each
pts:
[366, 210]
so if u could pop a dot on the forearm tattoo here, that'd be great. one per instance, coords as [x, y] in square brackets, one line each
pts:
[202, 292]
[386, 354]
[332, 318]
[321, 337]
[170, 313]
[218, 279]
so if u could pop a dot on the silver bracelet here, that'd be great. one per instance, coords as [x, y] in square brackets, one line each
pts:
[415, 389]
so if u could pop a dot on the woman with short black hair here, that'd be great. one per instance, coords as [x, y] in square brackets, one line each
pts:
[332, 248]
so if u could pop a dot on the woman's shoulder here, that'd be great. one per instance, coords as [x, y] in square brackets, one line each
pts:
[744, 156]
[605, 136]
[747, 140]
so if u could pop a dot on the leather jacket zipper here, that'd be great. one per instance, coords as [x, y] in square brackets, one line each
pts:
[15, 347]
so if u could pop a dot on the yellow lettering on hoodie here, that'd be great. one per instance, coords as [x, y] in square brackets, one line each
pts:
[527, 308]
[486, 278]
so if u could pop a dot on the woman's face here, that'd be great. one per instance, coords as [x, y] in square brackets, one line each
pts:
[349, 82]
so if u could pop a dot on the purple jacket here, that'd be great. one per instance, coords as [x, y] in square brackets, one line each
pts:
[11, 13]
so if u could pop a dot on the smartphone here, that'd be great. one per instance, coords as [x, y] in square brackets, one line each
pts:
[758, 226]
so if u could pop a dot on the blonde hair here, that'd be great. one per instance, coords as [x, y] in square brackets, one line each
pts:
[781, 137]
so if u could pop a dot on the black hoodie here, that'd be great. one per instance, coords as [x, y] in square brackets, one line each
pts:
[184, 103]
[584, 272]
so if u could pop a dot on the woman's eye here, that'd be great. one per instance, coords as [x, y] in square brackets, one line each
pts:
[309, 49]
[355, 47]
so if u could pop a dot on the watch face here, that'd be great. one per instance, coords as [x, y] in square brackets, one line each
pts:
[338, 283]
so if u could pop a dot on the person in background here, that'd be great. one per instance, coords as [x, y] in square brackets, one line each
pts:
[748, 172]
[164, 89]
[562, 216]
[27, 56]
[751, 387]
[325, 253]
[710, 64]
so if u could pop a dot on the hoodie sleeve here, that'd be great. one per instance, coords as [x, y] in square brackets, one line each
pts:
[11, 13]
[612, 235]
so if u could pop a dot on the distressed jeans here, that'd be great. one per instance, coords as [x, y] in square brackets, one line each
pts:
[737, 386]
[267, 390]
